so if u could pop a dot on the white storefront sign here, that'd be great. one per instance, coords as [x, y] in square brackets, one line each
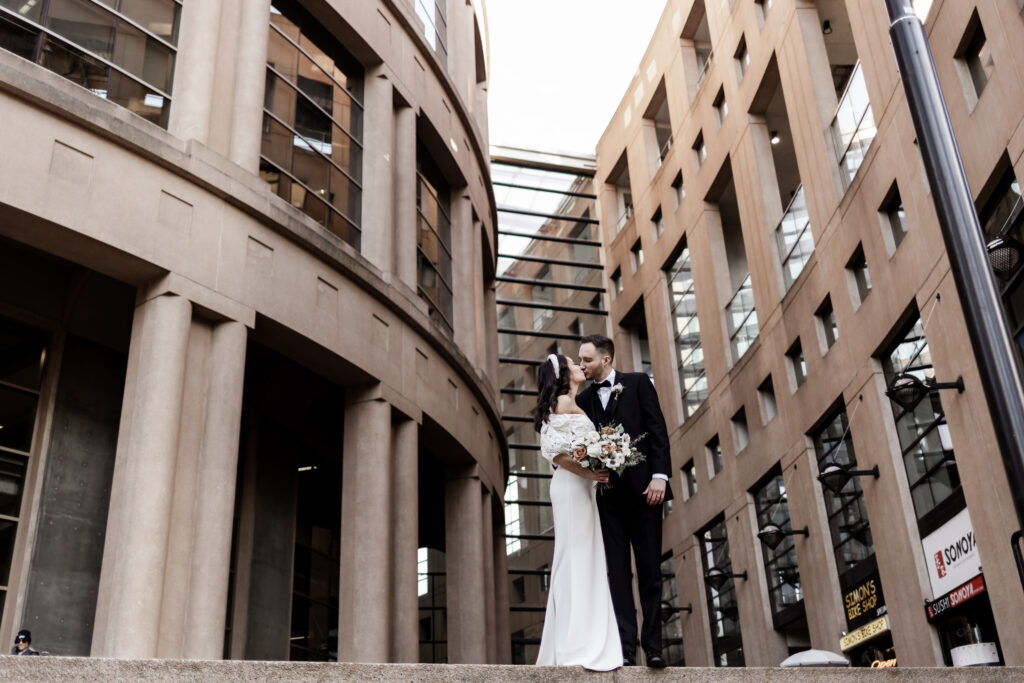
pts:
[975, 654]
[951, 554]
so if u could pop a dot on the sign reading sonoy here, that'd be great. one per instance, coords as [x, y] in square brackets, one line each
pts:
[955, 597]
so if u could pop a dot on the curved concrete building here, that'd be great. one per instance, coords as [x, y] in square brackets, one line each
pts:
[248, 358]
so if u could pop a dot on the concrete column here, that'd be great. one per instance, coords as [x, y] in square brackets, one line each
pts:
[487, 528]
[194, 68]
[186, 468]
[378, 171]
[250, 83]
[502, 632]
[405, 196]
[366, 538]
[135, 548]
[464, 309]
[467, 630]
[405, 490]
[215, 495]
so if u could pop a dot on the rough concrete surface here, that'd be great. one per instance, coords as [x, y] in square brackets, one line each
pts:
[94, 669]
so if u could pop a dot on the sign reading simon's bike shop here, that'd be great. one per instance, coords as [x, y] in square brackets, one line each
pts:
[863, 601]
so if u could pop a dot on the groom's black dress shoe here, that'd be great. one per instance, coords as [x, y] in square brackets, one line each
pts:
[628, 662]
[655, 661]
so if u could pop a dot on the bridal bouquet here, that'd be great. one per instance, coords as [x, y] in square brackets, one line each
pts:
[610, 447]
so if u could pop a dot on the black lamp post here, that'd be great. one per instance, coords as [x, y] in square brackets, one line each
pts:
[969, 260]
[772, 534]
[834, 477]
[906, 389]
[717, 577]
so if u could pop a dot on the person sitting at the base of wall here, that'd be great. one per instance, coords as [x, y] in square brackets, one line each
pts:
[23, 643]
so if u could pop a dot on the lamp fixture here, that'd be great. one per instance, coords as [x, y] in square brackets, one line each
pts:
[717, 577]
[835, 477]
[826, 27]
[906, 390]
[668, 610]
[775, 137]
[772, 534]
[1005, 255]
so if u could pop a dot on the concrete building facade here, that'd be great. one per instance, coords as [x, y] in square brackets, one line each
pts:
[248, 366]
[770, 237]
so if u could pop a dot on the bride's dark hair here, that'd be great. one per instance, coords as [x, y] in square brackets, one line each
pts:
[549, 388]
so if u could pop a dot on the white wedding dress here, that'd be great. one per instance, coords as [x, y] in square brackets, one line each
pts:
[579, 622]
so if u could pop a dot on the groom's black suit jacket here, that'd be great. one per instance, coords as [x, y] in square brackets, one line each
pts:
[637, 409]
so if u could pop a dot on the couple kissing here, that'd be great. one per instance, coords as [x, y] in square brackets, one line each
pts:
[591, 618]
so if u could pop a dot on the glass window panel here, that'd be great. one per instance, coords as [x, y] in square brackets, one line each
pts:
[142, 56]
[7, 534]
[12, 480]
[344, 228]
[84, 24]
[138, 99]
[17, 37]
[159, 17]
[17, 418]
[74, 65]
[280, 183]
[24, 8]
[23, 354]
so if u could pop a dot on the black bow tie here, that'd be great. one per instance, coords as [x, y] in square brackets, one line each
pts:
[606, 383]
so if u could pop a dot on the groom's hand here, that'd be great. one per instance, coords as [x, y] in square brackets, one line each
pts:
[655, 492]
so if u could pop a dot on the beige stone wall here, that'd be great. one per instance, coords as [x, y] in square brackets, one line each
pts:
[183, 213]
[915, 273]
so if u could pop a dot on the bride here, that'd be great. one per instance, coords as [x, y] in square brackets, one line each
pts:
[579, 622]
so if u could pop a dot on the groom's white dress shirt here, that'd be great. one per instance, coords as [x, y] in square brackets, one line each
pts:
[605, 394]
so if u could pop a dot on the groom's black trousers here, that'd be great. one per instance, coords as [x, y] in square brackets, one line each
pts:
[627, 521]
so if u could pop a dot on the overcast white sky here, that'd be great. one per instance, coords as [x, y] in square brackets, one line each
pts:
[559, 68]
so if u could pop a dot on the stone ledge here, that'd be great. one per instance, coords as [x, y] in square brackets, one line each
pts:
[92, 669]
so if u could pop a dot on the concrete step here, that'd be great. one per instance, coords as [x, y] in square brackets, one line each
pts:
[31, 669]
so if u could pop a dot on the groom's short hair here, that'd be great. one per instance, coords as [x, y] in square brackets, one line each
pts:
[603, 344]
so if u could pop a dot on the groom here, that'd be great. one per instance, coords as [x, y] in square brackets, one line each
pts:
[631, 511]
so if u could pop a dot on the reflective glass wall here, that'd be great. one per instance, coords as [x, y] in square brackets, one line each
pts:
[550, 292]
[121, 50]
[311, 152]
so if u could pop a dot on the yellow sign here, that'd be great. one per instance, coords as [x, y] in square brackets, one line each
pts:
[865, 632]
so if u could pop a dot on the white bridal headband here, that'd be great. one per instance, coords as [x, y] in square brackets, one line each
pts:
[554, 363]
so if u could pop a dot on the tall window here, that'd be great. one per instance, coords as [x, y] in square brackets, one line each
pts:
[853, 127]
[434, 15]
[312, 121]
[671, 624]
[317, 563]
[847, 514]
[794, 238]
[923, 433]
[723, 612]
[121, 50]
[1000, 217]
[21, 375]
[692, 379]
[742, 318]
[780, 567]
[434, 239]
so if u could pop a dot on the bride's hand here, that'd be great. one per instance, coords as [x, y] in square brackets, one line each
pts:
[599, 475]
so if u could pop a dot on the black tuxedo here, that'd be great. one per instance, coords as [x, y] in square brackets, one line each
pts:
[627, 521]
